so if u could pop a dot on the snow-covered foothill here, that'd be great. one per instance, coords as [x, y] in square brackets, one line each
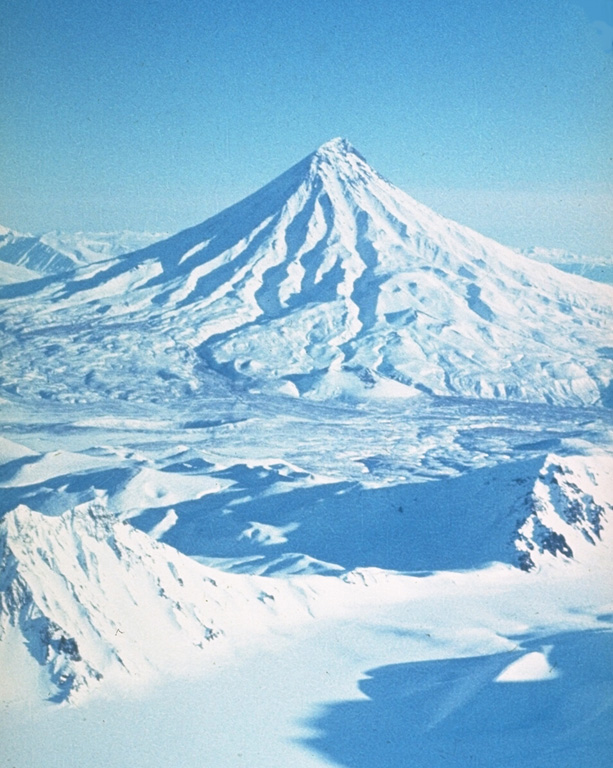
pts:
[95, 599]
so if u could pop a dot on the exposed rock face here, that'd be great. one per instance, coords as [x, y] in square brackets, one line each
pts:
[567, 509]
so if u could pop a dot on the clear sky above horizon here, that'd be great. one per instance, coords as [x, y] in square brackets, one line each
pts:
[155, 115]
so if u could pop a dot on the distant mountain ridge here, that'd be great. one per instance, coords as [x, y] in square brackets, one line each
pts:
[62, 252]
[593, 267]
[90, 247]
[32, 253]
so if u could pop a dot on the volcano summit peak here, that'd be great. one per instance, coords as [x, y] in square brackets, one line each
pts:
[339, 153]
[337, 146]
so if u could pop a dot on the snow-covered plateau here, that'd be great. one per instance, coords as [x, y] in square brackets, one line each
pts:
[323, 481]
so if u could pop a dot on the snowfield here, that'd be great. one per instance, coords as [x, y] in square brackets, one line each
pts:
[323, 481]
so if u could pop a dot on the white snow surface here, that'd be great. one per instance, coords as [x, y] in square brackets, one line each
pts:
[326, 480]
[13, 273]
[534, 666]
[95, 598]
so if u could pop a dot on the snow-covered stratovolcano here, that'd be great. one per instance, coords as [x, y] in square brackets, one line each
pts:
[342, 280]
[330, 280]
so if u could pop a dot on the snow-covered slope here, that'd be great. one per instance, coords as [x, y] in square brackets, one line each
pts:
[93, 598]
[99, 604]
[12, 273]
[31, 253]
[568, 507]
[331, 281]
[97, 601]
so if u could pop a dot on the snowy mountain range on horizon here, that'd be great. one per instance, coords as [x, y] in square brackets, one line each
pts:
[58, 252]
[593, 267]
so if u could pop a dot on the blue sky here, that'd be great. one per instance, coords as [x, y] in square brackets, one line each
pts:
[154, 115]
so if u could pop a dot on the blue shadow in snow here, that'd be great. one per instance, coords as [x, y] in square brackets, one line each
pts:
[451, 714]
[450, 524]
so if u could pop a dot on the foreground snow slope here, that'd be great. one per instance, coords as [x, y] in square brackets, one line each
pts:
[438, 672]
[328, 281]
[93, 598]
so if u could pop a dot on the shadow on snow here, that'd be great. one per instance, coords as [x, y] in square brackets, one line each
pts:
[452, 713]
[451, 524]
